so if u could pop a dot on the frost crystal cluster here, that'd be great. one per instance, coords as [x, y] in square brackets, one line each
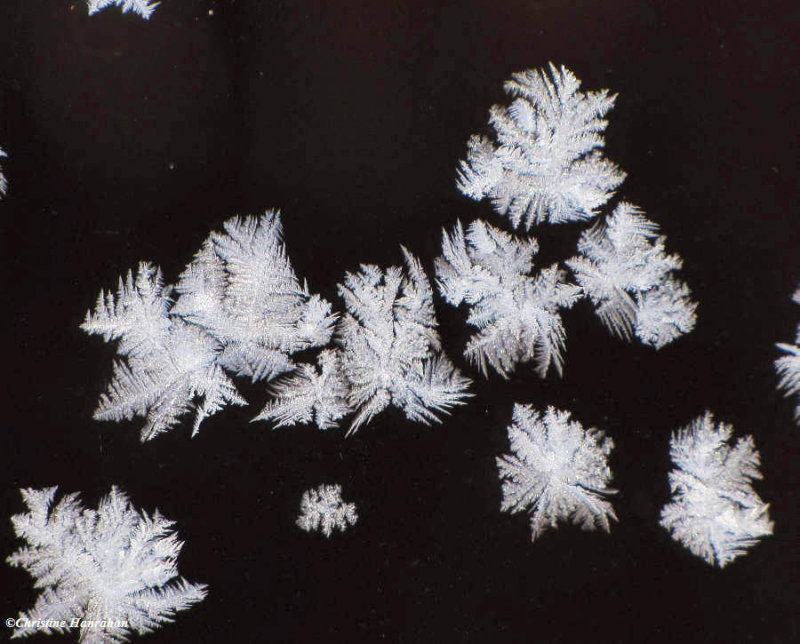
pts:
[714, 511]
[240, 309]
[788, 366]
[142, 7]
[624, 270]
[517, 313]
[388, 353]
[557, 471]
[3, 181]
[322, 510]
[547, 163]
[107, 566]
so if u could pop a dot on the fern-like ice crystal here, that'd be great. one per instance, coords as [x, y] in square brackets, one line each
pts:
[144, 8]
[788, 365]
[322, 510]
[624, 270]
[114, 568]
[547, 163]
[518, 314]
[714, 512]
[558, 471]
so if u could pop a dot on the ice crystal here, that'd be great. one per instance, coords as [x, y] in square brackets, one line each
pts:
[109, 566]
[168, 363]
[3, 180]
[547, 164]
[624, 270]
[557, 471]
[517, 313]
[144, 8]
[788, 366]
[322, 510]
[714, 512]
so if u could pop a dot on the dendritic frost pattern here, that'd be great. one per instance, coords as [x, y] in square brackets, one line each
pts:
[624, 270]
[547, 164]
[3, 180]
[310, 395]
[110, 565]
[788, 366]
[169, 364]
[322, 510]
[557, 471]
[714, 512]
[144, 8]
[390, 350]
[241, 288]
[518, 314]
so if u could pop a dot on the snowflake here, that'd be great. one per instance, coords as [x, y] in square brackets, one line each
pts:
[547, 164]
[109, 565]
[517, 314]
[144, 8]
[788, 366]
[169, 363]
[323, 510]
[714, 511]
[558, 471]
[624, 270]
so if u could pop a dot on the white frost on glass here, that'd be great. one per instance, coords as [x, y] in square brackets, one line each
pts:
[714, 512]
[168, 364]
[144, 8]
[547, 164]
[241, 289]
[518, 314]
[625, 272]
[390, 350]
[3, 180]
[788, 365]
[322, 510]
[558, 471]
[113, 564]
[310, 395]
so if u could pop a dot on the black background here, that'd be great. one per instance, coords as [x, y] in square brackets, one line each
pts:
[130, 140]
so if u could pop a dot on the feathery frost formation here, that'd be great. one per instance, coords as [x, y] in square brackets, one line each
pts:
[144, 8]
[242, 290]
[517, 313]
[547, 164]
[388, 353]
[714, 511]
[109, 566]
[168, 362]
[788, 366]
[3, 181]
[240, 308]
[557, 471]
[624, 270]
[322, 510]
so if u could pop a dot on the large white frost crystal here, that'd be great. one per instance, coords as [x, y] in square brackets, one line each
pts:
[558, 471]
[788, 365]
[109, 566]
[144, 8]
[546, 164]
[518, 314]
[714, 512]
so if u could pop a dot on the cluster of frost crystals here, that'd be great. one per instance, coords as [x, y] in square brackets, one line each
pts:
[168, 363]
[310, 395]
[3, 181]
[624, 270]
[788, 366]
[107, 567]
[389, 348]
[144, 8]
[323, 510]
[517, 313]
[558, 471]
[715, 512]
[547, 164]
[241, 289]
